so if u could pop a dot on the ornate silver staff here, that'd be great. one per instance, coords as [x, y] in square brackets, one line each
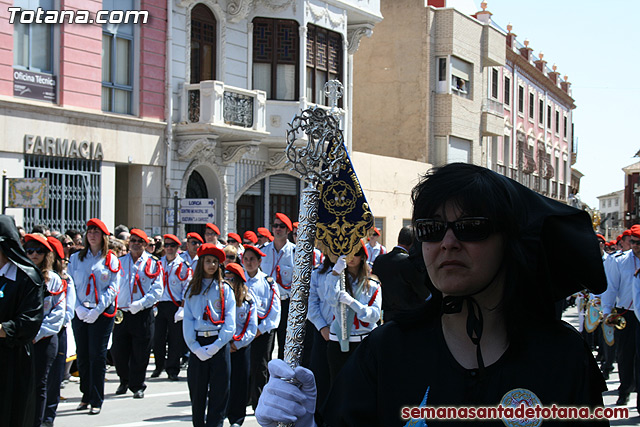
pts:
[315, 166]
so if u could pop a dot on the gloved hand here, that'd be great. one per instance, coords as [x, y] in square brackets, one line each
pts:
[345, 298]
[284, 402]
[92, 316]
[135, 307]
[211, 349]
[201, 353]
[341, 264]
[81, 312]
[179, 315]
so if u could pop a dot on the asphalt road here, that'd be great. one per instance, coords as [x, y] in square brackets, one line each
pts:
[167, 403]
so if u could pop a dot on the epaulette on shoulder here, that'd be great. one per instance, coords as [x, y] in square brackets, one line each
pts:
[270, 280]
[155, 258]
[618, 255]
[374, 279]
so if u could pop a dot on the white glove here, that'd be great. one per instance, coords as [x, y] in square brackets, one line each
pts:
[201, 353]
[341, 264]
[211, 349]
[135, 307]
[81, 312]
[179, 315]
[345, 298]
[92, 315]
[283, 402]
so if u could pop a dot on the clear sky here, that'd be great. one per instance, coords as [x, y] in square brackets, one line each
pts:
[597, 44]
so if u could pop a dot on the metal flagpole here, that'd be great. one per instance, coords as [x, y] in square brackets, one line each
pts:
[315, 166]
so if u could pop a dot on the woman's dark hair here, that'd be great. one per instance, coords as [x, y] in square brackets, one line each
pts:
[327, 264]
[86, 247]
[477, 191]
[195, 286]
[240, 288]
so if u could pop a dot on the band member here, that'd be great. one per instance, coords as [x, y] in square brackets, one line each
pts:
[374, 248]
[168, 322]
[264, 237]
[234, 239]
[21, 312]
[40, 253]
[208, 327]
[96, 276]
[140, 288]
[278, 263]
[265, 289]
[211, 234]
[249, 238]
[191, 255]
[56, 375]
[246, 328]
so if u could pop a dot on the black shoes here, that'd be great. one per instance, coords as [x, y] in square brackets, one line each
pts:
[173, 377]
[94, 411]
[156, 373]
[623, 399]
[82, 406]
[122, 388]
[139, 394]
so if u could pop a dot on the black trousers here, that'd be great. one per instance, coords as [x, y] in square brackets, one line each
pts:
[336, 358]
[281, 332]
[626, 353]
[45, 352]
[209, 383]
[56, 375]
[91, 348]
[238, 394]
[319, 365]
[167, 330]
[132, 347]
[261, 349]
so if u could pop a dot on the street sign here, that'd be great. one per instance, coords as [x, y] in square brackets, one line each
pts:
[197, 211]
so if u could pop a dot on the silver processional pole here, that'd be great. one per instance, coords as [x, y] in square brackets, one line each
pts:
[315, 166]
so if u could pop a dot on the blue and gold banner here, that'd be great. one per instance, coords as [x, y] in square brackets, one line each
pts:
[344, 216]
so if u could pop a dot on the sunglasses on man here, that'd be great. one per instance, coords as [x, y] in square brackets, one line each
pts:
[465, 229]
[278, 226]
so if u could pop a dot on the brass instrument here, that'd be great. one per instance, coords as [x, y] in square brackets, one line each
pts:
[617, 320]
[119, 317]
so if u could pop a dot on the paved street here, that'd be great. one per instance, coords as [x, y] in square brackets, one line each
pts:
[167, 403]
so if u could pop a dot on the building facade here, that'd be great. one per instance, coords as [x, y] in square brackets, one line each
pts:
[611, 207]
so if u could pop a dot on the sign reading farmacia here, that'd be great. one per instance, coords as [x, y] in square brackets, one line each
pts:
[62, 147]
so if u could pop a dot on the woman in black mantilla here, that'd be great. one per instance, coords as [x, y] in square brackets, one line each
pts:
[496, 257]
[21, 312]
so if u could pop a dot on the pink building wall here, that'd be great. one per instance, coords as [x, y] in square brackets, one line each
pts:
[6, 50]
[152, 59]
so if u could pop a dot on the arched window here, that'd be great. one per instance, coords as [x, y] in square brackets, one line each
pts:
[203, 44]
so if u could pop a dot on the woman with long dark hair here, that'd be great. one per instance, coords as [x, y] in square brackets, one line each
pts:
[45, 343]
[495, 254]
[95, 272]
[208, 326]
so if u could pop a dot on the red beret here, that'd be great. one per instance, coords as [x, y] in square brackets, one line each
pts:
[295, 224]
[255, 250]
[635, 231]
[619, 238]
[364, 247]
[612, 243]
[236, 237]
[251, 236]
[600, 236]
[626, 233]
[195, 236]
[285, 220]
[376, 231]
[95, 222]
[38, 238]
[214, 228]
[57, 246]
[172, 237]
[236, 269]
[140, 233]
[266, 233]
[211, 249]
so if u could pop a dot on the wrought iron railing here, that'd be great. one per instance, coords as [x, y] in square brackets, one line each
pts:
[238, 109]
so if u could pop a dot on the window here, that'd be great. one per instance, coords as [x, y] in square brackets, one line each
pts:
[33, 43]
[275, 58]
[507, 91]
[532, 105]
[557, 121]
[324, 61]
[461, 72]
[442, 69]
[541, 112]
[548, 116]
[506, 155]
[609, 203]
[117, 62]
[203, 44]
[616, 202]
[564, 127]
[494, 83]
[520, 99]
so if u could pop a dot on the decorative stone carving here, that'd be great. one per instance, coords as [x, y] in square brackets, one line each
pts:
[277, 159]
[355, 34]
[237, 10]
[279, 5]
[197, 148]
[233, 153]
[318, 13]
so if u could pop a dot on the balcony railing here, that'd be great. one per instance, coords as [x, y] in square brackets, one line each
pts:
[492, 106]
[218, 104]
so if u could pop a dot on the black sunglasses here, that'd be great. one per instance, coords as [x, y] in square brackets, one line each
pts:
[279, 226]
[40, 251]
[136, 241]
[465, 229]
[170, 245]
[634, 242]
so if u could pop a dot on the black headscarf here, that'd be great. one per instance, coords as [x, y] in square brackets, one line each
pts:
[12, 249]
